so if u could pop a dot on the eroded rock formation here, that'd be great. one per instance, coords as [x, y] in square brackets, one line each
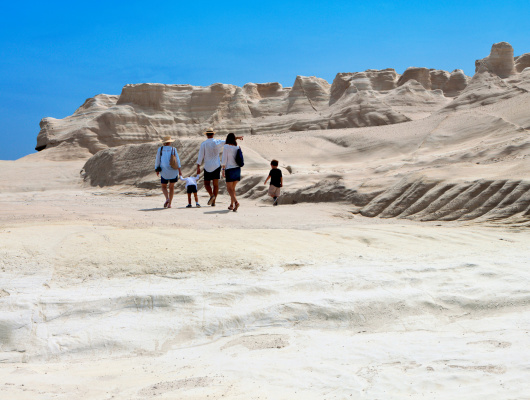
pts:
[145, 112]
[522, 62]
[500, 61]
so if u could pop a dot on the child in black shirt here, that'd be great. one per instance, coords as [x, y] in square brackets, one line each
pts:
[275, 175]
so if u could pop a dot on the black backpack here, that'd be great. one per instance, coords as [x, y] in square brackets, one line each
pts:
[239, 157]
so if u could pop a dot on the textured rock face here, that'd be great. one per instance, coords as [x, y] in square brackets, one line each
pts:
[434, 79]
[500, 61]
[522, 62]
[308, 94]
[439, 79]
[421, 75]
[145, 112]
[384, 79]
[371, 79]
[456, 83]
[483, 89]
[413, 100]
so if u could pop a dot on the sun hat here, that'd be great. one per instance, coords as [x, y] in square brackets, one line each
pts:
[210, 131]
[167, 139]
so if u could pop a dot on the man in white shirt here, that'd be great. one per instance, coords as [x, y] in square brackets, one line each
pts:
[209, 154]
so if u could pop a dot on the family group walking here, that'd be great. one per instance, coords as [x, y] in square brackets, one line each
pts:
[167, 166]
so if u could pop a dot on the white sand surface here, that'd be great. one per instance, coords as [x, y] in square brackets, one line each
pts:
[106, 295]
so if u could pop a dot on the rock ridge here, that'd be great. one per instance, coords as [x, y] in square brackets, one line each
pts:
[145, 112]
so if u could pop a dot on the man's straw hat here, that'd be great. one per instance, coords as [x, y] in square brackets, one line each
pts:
[209, 131]
[167, 139]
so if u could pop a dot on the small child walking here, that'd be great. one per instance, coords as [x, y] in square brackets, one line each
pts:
[191, 187]
[275, 175]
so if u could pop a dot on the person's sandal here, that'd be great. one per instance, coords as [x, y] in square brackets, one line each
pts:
[231, 207]
[188, 206]
[236, 207]
[166, 203]
[211, 200]
[197, 205]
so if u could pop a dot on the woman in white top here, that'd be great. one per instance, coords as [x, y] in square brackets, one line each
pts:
[163, 167]
[231, 171]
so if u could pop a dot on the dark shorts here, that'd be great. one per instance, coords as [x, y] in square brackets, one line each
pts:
[233, 174]
[210, 176]
[192, 189]
[165, 181]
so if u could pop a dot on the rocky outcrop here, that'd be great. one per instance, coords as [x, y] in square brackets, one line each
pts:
[412, 99]
[457, 82]
[522, 62]
[340, 84]
[421, 75]
[371, 79]
[383, 79]
[363, 109]
[500, 61]
[309, 94]
[439, 79]
[483, 89]
[451, 84]
[145, 112]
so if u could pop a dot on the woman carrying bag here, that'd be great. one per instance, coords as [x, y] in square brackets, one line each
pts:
[231, 164]
[167, 165]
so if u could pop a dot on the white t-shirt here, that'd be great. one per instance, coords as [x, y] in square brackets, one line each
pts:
[209, 153]
[229, 156]
[192, 180]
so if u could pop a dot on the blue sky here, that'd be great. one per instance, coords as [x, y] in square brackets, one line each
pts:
[54, 55]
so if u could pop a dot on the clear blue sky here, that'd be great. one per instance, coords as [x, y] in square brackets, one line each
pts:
[54, 55]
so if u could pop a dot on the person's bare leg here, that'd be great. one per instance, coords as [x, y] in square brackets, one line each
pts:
[213, 193]
[196, 198]
[215, 187]
[171, 193]
[189, 198]
[236, 203]
[231, 192]
[208, 188]
[164, 190]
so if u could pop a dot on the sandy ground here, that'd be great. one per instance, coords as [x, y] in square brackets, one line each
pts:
[106, 295]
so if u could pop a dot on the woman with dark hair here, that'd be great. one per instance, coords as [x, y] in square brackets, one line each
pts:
[231, 171]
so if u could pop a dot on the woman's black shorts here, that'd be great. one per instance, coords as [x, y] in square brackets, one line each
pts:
[233, 174]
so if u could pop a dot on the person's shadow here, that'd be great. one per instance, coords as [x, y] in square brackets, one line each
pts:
[218, 212]
[153, 209]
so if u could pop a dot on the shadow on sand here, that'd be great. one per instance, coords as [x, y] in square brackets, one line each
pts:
[217, 212]
[153, 209]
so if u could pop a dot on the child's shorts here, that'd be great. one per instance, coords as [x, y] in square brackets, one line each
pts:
[274, 191]
[192, 189]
